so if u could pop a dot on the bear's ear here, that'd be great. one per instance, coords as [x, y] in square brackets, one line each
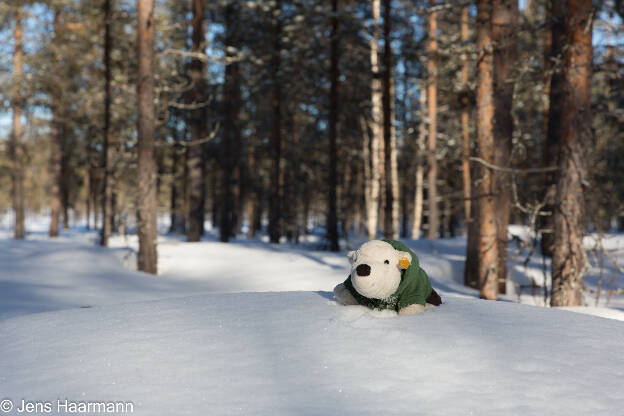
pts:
[351, 255]
[405, 259]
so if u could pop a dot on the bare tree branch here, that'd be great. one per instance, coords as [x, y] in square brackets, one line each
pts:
[513, 170]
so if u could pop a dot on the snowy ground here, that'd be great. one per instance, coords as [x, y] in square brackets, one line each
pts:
[78, 324]
[300, 353]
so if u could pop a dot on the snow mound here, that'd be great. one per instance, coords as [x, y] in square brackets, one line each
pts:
[301, 353]
[42, 275]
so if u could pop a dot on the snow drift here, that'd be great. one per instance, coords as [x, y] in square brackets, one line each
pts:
[301, 353]
[77, 326]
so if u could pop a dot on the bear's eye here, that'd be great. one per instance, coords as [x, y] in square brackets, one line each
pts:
[387, 262]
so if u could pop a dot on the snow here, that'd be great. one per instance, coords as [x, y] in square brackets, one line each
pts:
[301, 353]
[252, 328]
[250, 266]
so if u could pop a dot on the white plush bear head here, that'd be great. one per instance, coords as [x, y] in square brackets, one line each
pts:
[376, 269]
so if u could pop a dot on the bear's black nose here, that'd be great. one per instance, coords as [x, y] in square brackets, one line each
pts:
[363, 270]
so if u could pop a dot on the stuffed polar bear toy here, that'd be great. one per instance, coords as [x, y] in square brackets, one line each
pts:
[385, 275]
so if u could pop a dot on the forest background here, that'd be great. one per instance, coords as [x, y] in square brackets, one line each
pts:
[285, 117]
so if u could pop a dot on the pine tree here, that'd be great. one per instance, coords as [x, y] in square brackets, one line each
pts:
[504, 28]
[332, 215]
[486, 207]
[146, 195]
[465, 117]
[275, 227]
[56, 138]
[554, 43]
[197, 118]
[16, 147]
[569, 215]
[232, 103]
[107, 193]
[432, 115]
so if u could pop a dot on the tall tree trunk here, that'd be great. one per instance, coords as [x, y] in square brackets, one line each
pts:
[486, 207]
[471, 267]
[253, 197]
[465, 117]
[359, 209]
[373, 180]
[92, 163]
[332, 215]
[420, 159]
[114, 214]
[553, 89]
[177, 184]
[447, 219]
[147, 202]
[95, 185]
[215, 195]
[275, 199]
[293, 178]
[394, 163]
[548, 67]
[407, 151]
[504, 28]
[16, 137]
[389, 147]
[569, 215]
[232, 111]
[305, 221]
[89, 179]
[56, 150]
[185, 187]
[107, 147]
[174, 196]
[346, 194]
[432, 101]
[231, 133]
[368, 176]
[196, 158]
[382, 170]
[65, 177]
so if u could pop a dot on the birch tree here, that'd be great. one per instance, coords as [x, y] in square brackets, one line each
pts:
[419, 174]
[373, 180]
[391, 221]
